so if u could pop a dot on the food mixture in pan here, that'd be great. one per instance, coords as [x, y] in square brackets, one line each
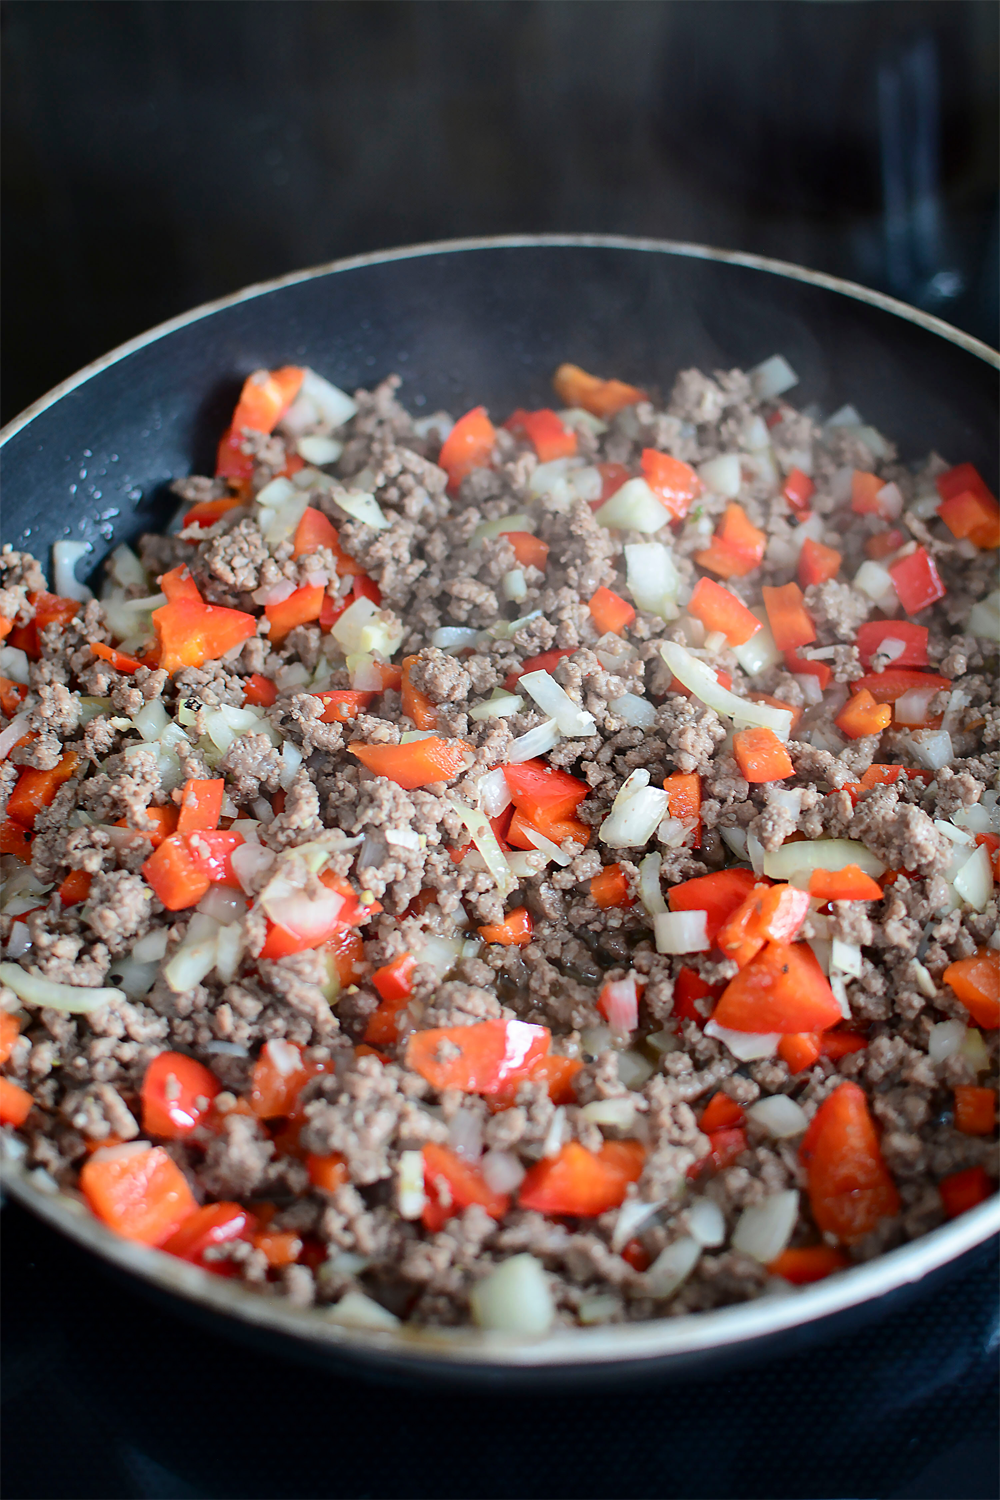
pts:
[514, 875]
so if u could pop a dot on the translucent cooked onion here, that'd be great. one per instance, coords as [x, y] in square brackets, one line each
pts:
[125, 568]
[18, 727]
[410, 1197]
[974, 881]
[74, 1000]
[618, 1113]
[944, 1040]
[192, 960]
[486, 530]
[494, 793]
[772, 377]
[637, 712]
[650, 893]
[846, 958]
[633, 1215]
[722, 475]
[151, 720]
[704, 684]
[362, 507]
[545, 845]
[274, 593]
[706, 1224]
[454, 637]
[572, 720]
[485, 841]
[652, 578]
[538, 741]
[465, 1134]
[745, 1045]
[634, 507]
[636, 813]
[19, 941]
[875, 581]
[65, 556]
[303, 916]
[14, 664]
[502, 1171]
[355, 1310]
[672, 1267]
[634, 1070]
[912, 708]
[681, 932]
[821, 854]
[515, 1298]
[932, 748]
[348, 630]
[501, 706]
[622, 1005]
[984, 618]
[319, 450]
[764, 1230]
[780, 1116]
[736, 839]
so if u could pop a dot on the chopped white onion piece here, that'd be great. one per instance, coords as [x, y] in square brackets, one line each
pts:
[672, 1267]
[465, 1134]
[485, 841]
[515, 1298]
[706, 1223]
[513, 586]
[634, 1070]
[74, 1000]
[306, 917]
[780, 1116]
[411, 1197]
[135, 979]
[545, 845]
[486, 530]
[633, 1214]
[152, 947]
[890, 501]
[575, 416]
[151, 720]
[279, 521]
[821, 854]
[759, 653]
[19, 940]
[652, 578]
[637, 712]
[932, 748]
[746, 1045]
[586, 483]
[681, 932]
[454, 637]
[984, 618]
[18, 727]
[14, 664]
[844, 416]
[502, 1172]
[736, 838]
[229, 950]
[65, 556]
[538, 741]
[755, 853]
[956, 835]
[524, 863]
[355, 1310]
[319, 450]
[636, 813]
[222, 905]
[722, 475]
[126, 569]
[501, 706]
[977, 819]
[772, 377]
[809, 687]
[839, 990]
[192, 961]
[347, 630]
[975, 1050]
[633, 507]
[650, 893]
[911, 708]
[291, 760]
[875, 581]
[705, 686]
[845, 958]
[494, 793]
[551, 481]
[572, 720]
[555, 1135]
[618, 1113]
[974, 881]
[945, 1039]
[764, 1230]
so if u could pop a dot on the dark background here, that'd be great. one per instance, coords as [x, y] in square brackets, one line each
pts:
[160, 154]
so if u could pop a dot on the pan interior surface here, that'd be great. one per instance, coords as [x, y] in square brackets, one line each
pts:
[463, 325]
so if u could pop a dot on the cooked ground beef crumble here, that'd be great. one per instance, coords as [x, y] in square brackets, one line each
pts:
[361, 1173]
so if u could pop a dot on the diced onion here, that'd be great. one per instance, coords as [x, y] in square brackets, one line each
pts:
[745, 1045]
[545, 845]
[515, 1298]
[485, 841]
[192, 960]
[780, 1116]
[65, 556]
[652, 578]
[618, 1113]
[633, 507]
[494, 793]
[636, 813]
[890, 501]
[977, 819]
[220, 903]
[772, 377]
[355, 1310]
[572, 720]
[465, 1134]
[633, 1214]
[279, 522]
[126, 569]
[135, 979]
[975, 1050]
[18, 727]
[19, 940]
[14, 664]
[945, 1039]
[637, 712]
[932, 748]
[318, 403]
[634, 1070]
[912, 707]
[347, 629]
[229, 950]
[152, 947]
[550, 479]
[722, 476]
[586, 483]
[74, 1000]
[984, 618]
[291, 760]
[844, 416]
[821, 854]
[304, 916]
[502, 1172]
[499, 707]
[956, 835]
[736, 838]
[362, 507]
[974, 881]
[454, 637]
[575, 416]
[151, 720]
[411, 1197]
[538, 741]
[672, 1267]
[319, 450]
[705, 686]
[764, 1230]
[845, 958]
[650, 893]
[875, 581]
[486, 530]
[681, 932]
[809, 687]
[706, 1223]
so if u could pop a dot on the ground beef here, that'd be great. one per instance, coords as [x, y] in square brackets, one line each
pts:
[320, 1115]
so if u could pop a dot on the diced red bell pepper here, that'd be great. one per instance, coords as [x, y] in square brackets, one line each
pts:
[266, 397]
[259, 691]
[50, 609]
[718, 895]
[583, 1183]
[964, 1190]
[328, 1172]
[191, 633]
[416, 704]
[521, 829]
[798, 489]
[861, 715]
[721, 1113]
[316, 530]
[184, 865]
[805, 666]
[781, 989]
[164, 821]
[848, 884]
[880, 775]
[16, 840]
[804, 1264]
[761, 756]
[340, 705]
[914, 638]
[476, 1059]
[10, 1030]
[790, 621]
[975, 1110]
[177, 1093]
[769, 914]
[850, 1188]
[12, 695]
[206, 512]
[817, 563]
[280, 1074]
[736, 548]
[544, 430]
[142, 1195]
[514, 931]
[75, 888]
[602, 398]
[917, 581]
[637, 1256]
[37, 789]
[468, 446]
[541, 791]
[887, 686]
[6, 626]
[968, 507]
[393, 980]
[788, 708]
[865, 488]
[610, 888]
[416, 764]
[610, 612]
[15, 1103]
[300, 608]
[541, 663]
[720, 610]
[689, 987]
[117, 659]
[201, 805]
[179, 585]
[674, 483]
[530, 551]
[555, 1072]
[683, 791]
[382, 1029]
[963, 479]
[800, 1050]
[613, 476]
[213, 850]
[884, 543]
[452, 1185]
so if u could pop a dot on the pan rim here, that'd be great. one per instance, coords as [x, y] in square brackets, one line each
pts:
[663, 1339]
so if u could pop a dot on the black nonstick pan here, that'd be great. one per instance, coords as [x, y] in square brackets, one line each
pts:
[464, 322]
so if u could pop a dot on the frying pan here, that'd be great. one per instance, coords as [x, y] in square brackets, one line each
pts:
[464, 322]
